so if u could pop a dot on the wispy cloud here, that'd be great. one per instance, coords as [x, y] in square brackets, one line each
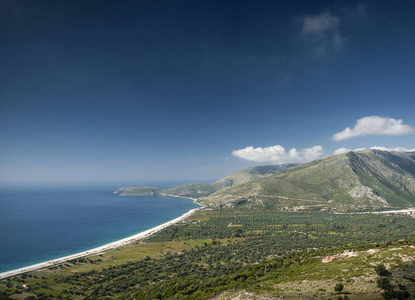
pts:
[321, 33]
[374, 125]
[277, 154]
[398, 149]
[319, 25]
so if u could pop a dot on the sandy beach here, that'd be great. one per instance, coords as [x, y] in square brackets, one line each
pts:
[100, 249]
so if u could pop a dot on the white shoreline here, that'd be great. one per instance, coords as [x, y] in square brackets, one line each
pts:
[100, 249]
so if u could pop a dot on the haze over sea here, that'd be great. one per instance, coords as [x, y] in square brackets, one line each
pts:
[41, 224]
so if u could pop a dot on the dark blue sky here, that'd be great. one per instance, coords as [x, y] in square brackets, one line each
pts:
[145, 91]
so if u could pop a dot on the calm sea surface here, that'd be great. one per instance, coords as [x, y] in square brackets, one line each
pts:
[40, 225]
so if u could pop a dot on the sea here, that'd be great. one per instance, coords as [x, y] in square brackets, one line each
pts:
[37, 225]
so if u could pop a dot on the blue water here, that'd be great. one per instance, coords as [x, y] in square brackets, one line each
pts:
[40, 225]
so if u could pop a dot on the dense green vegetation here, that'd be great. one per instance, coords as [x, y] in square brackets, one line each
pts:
[293, 230]
[229, 250]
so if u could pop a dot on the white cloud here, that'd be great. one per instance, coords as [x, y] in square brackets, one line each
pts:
[321, 33]
[341, 150]
[374, 125]
[277, 154]
[398, 149]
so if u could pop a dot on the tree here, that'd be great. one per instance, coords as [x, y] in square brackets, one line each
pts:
[384, 283]
[339, 287]
[401, 295]
[381, 270]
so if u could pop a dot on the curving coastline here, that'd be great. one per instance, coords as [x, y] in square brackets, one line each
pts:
[100, 249]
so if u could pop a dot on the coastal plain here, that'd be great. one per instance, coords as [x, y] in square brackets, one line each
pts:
[97, 250]
[221, 253]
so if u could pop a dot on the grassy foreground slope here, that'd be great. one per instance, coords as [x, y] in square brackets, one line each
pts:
[364, 180]
[197, 190]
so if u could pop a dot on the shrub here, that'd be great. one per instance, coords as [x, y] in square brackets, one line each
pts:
[339, 287]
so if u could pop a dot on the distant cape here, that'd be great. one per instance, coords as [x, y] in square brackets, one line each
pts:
[198, 190]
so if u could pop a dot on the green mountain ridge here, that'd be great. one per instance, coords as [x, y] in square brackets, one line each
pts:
[198, 190]
[362, 180]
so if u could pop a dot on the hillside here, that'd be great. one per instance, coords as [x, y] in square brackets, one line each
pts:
[363, 180]
[197, 190]
[139, 190]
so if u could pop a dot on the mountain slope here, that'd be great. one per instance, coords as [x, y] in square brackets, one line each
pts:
[197, 190]
[253, 173]
[369, 179]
